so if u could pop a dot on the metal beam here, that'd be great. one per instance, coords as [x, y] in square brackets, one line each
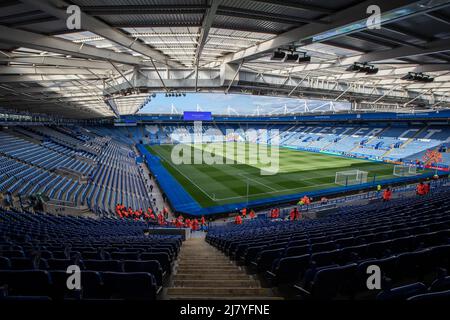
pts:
[58, 61]
[24, 70]
[374, 56]
[296, 5]
[343, 18]
[57, 9]
[201, 41]
[45, 78]
[57, 45]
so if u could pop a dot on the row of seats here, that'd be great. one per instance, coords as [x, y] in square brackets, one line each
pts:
[117, 260]
[408, 235]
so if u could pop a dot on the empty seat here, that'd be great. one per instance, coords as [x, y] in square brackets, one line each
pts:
[403, 292]
[328, 283]
[326, 258]
[103, 265]
[440, 284]
[163, 259]
[28, 264]
[289, 269]
[26, 282]
[130, 286]
[297, 251]
[12, 254]
[60, 264]
[5, 263]
[432, 296]
[266, 258]
[124, 255]
[150, 266]
[91, 286]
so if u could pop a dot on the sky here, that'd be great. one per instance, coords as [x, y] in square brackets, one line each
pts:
[241, 104]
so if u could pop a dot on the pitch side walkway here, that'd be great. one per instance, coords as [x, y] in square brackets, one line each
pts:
[156, 192]
[203, 272]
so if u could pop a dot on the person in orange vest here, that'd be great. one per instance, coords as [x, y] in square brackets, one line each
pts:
[306, 200]
[195, 224]
[187, 223]
[252, 214]
[387, 194]
[420, 189]
[203, 221]
[238, 219]
[292, 214]
[244, 212]
[298, 214]
[179, 222]
[160, 218]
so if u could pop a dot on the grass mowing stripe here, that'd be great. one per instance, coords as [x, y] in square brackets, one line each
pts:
[300, 171]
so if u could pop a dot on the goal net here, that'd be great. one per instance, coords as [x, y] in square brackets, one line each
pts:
[351, 177]
[404, 171]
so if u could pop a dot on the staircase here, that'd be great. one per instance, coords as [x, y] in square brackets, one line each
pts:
[204, 273]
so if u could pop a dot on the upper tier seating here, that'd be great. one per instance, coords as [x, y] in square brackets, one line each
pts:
[379, 142]
[100, 173]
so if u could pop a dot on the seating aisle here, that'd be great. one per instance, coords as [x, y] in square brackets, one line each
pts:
[203, 272]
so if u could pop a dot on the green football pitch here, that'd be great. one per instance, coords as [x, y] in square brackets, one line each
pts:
[298, 172]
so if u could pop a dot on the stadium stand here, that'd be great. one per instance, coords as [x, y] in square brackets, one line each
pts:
[74, 168]
[327, 258]
[117, 261]
[224, 150]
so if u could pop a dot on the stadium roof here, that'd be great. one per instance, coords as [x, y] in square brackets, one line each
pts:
[127, 49]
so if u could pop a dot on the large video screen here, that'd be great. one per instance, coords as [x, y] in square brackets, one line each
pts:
[197, 116]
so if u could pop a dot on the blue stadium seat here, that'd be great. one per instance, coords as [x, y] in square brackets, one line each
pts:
[103, 265]
[130, 286]
[5, 263]
[443, 296]
[26, 282]
[150, 266]
[403, 292]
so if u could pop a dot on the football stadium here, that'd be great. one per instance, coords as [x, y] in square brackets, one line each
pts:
[252, 150]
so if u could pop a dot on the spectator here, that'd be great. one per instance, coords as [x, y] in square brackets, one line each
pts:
[420, 189]
[387, 194]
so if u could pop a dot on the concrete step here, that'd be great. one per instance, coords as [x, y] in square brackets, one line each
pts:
[222, 292]
[195, 264]
[211, 276]
[217, 283]
[202, 257]
[206, 269]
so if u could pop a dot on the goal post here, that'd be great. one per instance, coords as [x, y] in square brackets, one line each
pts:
[351, 177]
[404, 170]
